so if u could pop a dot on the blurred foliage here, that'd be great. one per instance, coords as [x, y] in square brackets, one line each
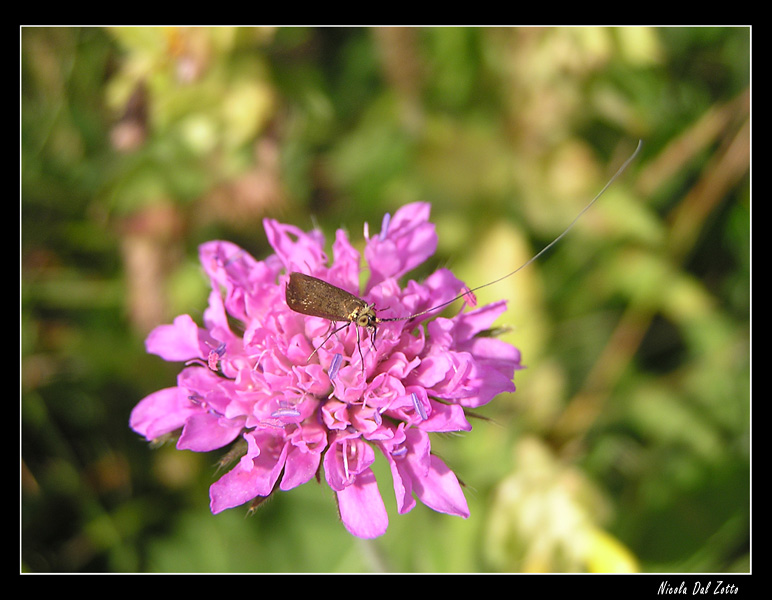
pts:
[627, 444]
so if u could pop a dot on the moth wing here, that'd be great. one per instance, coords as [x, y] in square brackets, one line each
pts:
[311, 296]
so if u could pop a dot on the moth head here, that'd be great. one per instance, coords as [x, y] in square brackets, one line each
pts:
[366, 317]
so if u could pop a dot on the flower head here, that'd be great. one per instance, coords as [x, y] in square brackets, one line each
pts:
[304, 400]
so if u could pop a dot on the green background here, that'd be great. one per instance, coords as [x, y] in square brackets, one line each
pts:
[626, 446]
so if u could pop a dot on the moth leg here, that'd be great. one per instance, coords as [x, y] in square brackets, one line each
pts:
[332, 333]
[359, 347]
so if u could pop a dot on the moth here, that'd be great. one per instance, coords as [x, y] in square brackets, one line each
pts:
[311, 296]
[314, 297]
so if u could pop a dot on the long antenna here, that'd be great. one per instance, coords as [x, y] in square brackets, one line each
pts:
[542, 251]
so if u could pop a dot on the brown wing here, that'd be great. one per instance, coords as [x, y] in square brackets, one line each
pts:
[311, 296]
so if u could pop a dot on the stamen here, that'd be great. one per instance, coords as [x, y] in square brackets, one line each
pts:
[384, 227]
[259, 358]
[215, 355]
[233, 257]
[401, 451]
[469, 297]
[335, 366]
[271, 424]
[345, 458]
[418, 406]
[197, 399]
[285, 412]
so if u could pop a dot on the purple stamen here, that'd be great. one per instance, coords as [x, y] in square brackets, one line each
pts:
[197, 399]
[384, 227]
[233, 257]
[334, 366]
[285, 412]
[401, 451]
[418, 406]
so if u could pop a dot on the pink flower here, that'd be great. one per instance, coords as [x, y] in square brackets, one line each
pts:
[251, 373]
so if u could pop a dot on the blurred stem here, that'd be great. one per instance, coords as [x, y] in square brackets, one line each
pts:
[727, 165]
[150, 241]
[374, 556]
[722, 172]
[400, 57]
[584, 408]
[683, 149]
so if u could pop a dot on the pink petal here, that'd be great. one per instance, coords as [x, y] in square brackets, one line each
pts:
[403, 488]
[162, 412]
[345, 459]
[176, 342]
[361, 507]
[225, 261]
[300, 254]
[345, 269]
[300, 468]
[396, 451]
[247, 480]
[305, 452]
[445, 417]
[235, 488]
[440, 490]
[469, 324]
[409, 241]
[205, 432]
